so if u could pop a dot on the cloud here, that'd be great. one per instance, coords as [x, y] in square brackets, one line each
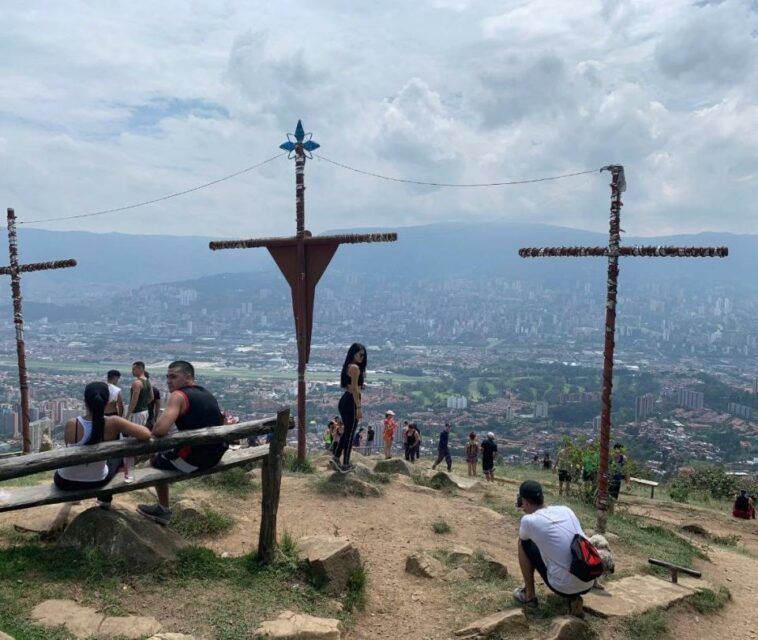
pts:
[103, 105]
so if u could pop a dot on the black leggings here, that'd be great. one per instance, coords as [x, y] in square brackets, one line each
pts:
[73, 485]
[347, 413]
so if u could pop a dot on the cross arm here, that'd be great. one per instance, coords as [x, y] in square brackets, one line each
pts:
[647, 252]
[352, 238]
[39, 266]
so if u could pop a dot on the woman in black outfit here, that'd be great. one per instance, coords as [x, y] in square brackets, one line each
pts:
[351, 380]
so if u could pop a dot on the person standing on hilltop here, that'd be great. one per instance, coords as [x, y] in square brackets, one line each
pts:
[472, 453]
[352, 379]
[414, 442]
[141, 395]
[115, 406]
[154, 406]
[443, 449]
[489, 450]
[404, 438]
[390, 427]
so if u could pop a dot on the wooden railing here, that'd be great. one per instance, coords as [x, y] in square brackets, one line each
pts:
[271, 471]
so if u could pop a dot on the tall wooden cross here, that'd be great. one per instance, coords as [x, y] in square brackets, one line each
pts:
[613, 251]
[302, 259]
[14, 271]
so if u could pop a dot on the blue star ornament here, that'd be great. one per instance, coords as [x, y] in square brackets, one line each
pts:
[300, 139]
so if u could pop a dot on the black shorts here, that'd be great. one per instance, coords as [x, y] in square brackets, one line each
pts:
[533, 553]
[564, 476]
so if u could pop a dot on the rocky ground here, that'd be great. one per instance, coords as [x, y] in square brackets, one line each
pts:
[386, 529]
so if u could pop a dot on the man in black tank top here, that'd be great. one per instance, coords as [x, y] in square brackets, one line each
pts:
[189, 407]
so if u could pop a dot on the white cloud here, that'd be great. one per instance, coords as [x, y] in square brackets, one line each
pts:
[107, 104]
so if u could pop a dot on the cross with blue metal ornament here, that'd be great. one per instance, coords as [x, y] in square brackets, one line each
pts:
[302, 259]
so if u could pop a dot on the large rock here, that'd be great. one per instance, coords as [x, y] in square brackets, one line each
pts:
[497, 622]
[364, 472]
[424, 566]
[123, 537]
[191, 507]
[329, 561]
[296, 626]
[130, 627]
[394, 465]
[79, 621]
[568, 628]
[460, 554]
[634, 595]
[5, 636]
[170, 636]
[444, 479]
[350, 485]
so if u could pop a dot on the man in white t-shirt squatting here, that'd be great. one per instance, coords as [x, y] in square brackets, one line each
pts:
[544, 546]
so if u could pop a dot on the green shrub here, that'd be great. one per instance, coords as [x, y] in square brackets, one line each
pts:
[207, 523]
[709, 601]
[679, 489]
[293, 465]
[440, 527]
[355, 595]
[649, 625]
[235, 481]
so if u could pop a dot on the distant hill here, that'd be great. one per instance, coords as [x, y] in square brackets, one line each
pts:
[112, 262]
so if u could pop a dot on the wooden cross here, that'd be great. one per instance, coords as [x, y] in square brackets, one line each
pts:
[14, 271]
[613, 251]
[302, 259]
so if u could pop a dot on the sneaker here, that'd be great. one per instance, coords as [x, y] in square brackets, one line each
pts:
[519, 594]
[348, 468]
[105, 505]
[155, 512]
[335, 462]
[576, 607]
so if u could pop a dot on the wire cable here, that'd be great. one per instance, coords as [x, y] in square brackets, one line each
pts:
[161, 199]
[449, 184]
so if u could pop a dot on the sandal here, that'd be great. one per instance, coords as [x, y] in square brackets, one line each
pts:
[519, 594]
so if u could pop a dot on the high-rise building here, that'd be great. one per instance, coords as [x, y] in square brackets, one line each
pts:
[36, 429]
[457, 402]
[690, 399]
[540, 409]
[510, 413]
[740, 410]
[755, 385]
[643, 406]
[596, 423]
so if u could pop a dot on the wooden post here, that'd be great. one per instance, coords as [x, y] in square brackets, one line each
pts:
[271, 480]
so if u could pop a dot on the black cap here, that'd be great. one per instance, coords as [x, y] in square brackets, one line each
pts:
[531, 490]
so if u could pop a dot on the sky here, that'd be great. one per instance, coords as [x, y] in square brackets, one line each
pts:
[106, 104]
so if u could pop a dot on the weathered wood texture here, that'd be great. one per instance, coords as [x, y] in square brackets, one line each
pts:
[35, 496]
[69, 456]
[675, 569]
[271, 481]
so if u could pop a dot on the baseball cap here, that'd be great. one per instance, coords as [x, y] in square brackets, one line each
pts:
[531, 490]
[389, 412]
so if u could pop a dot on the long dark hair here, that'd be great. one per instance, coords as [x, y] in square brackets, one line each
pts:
[354, 348]
[96, 397]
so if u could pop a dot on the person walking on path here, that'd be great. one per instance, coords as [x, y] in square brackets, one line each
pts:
[115, 406]
[489, 449]
[370, 440]
[563, 469]
[414, 442]
[190, 407]
[406, 427]
[352, 379]
[472, 453]
[390, 426]
[443, 449]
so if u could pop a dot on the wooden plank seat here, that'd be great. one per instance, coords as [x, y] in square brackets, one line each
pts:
[647, 483]
[24, 497]
[675, 569]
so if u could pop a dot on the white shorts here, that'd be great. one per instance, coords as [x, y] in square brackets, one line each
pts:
[140, 417]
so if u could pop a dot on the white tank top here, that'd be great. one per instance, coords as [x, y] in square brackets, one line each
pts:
[113, 392]
[91, 471]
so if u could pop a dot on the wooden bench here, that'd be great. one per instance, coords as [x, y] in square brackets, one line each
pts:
[648, 483]
[14, 498]
[675, 569]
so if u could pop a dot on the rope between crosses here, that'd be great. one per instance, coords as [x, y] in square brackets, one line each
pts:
[449, 184]
[161, 199]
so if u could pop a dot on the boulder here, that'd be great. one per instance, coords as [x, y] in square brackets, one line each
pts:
[568, 628]
[296, 626]
[424, 566]
[364, 472]
[457, 575]
[170, 636]
[129, 627]
[444, 479]
[494, 567]
[460, 554]
[191, 507]
[497, 622]
[329, 561]
[5, 636]
[394, 465]
[81, 622]
[123, 537]
[350, 485]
